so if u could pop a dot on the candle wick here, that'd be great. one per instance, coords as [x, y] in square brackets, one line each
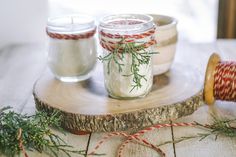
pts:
[72, 22]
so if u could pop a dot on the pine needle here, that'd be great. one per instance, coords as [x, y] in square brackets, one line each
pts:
[19, 132]
[139, 56]
[219, 126]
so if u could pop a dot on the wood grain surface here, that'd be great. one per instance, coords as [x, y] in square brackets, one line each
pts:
[86, 106]
[21, 65]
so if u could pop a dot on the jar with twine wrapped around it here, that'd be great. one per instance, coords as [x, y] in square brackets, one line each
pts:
[127, 41]
[72, 49]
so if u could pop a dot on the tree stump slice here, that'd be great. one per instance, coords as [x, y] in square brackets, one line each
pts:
[86, 106]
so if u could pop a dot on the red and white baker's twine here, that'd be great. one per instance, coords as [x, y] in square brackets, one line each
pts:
[109, 41]
[84, 35]
[137, 138]
[134, 36]
[225, 81]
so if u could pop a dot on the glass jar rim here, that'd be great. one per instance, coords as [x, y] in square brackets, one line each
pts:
[109, 22]
[71, 23]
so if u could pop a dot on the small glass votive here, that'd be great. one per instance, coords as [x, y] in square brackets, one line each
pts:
[72, 50]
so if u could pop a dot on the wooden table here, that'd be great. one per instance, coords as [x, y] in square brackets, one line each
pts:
[21, 65]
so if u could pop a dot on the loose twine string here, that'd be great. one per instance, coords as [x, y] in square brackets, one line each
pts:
[225, 81]
[129, 138]
[21, 146]
[135, 137]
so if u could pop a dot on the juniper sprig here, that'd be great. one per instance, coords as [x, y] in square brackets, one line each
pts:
[219, 126]
[139, 56]
[19, 133]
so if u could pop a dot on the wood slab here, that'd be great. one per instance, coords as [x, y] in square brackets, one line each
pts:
[86, 106]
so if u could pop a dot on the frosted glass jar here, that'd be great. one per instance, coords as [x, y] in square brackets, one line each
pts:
[116, 34]
[166, 36]
[71, 47]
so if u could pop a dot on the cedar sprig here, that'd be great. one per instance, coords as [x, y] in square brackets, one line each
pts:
[139, 56]
[35, 134]
[220, 126]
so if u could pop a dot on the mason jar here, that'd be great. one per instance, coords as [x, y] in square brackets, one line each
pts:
[72, 50]
[127, 41]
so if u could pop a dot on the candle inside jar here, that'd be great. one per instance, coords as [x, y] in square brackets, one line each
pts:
[72, 47]
[120, 79]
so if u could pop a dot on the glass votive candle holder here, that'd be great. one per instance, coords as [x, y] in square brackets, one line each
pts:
[72, 50]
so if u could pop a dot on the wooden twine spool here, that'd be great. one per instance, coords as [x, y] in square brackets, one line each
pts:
[220, 80]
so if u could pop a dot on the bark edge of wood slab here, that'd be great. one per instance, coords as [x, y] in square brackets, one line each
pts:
[86, 107]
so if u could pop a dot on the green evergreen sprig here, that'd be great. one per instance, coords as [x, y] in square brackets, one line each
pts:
[139, 56]
[220, 126]
[35, 134]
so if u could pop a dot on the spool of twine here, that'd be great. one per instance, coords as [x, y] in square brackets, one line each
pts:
[220, 80]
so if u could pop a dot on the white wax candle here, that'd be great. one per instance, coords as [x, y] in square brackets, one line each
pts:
[72, 52]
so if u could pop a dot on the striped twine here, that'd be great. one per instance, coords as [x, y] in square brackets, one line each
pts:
[225, 81]
[84, 35]
[133, 36]
[136, 137]
[21, 146]
[110, 46]
[109, 41]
